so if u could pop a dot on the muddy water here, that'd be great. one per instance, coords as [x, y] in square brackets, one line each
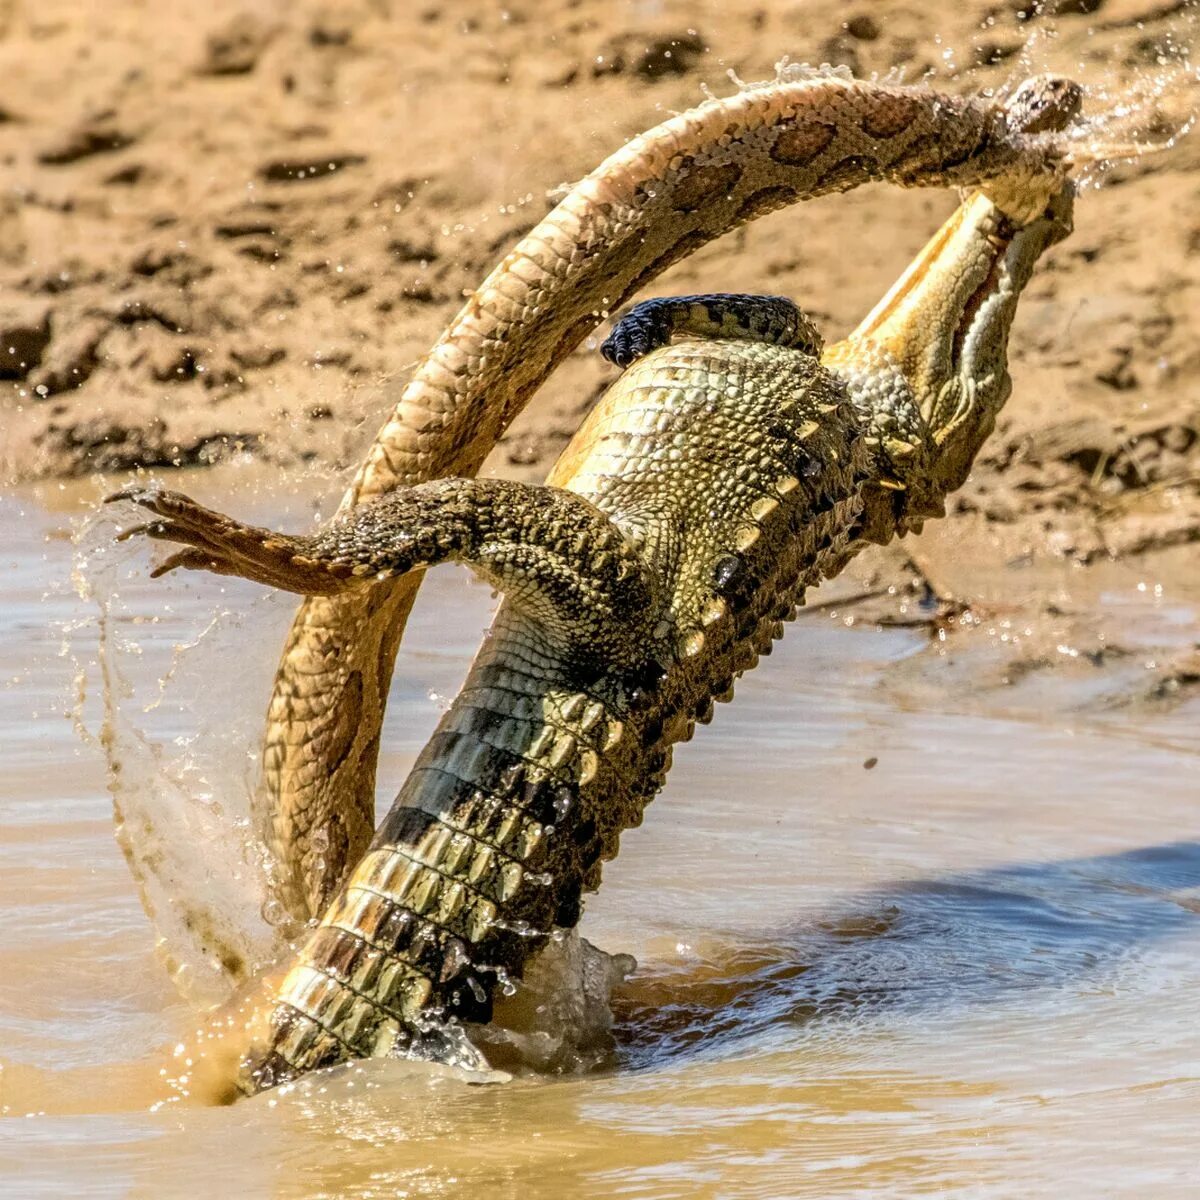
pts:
[969, 970]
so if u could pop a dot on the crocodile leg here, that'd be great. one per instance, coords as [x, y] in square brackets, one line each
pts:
[721, 316]
[565, 565]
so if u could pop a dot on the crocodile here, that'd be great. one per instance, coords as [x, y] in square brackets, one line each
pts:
[735, 463]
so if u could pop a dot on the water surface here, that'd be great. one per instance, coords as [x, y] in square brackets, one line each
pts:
[969, 970]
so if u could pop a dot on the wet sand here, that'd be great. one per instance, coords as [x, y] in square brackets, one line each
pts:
[231, 232]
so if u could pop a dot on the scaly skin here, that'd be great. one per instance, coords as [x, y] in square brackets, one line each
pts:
[633, 604]
[649, 205]
[715, 482]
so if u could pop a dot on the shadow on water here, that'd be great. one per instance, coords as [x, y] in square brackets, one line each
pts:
[922, 946]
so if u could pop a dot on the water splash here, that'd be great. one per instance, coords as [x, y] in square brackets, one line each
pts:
[1138, 108]
[1145, 109]
[560, 1018]
[181, 775]
[181, 739]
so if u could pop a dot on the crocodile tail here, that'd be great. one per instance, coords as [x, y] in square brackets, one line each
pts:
[652, 203]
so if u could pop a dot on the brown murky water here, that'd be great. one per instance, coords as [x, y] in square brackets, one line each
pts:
[968, 971]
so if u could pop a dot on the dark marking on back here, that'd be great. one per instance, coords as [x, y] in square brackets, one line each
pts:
[799, 144]
[922, 153]
[929, 164]
[975, 150]
[703, 185]
[847, 172]
[895, 115]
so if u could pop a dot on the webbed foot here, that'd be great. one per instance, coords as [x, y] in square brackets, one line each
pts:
[217, 543]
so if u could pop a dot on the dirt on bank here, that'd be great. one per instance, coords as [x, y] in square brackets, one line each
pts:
[232, 231]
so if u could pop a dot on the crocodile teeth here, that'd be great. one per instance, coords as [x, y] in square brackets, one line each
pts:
[425, 892]
[589, 764]
[451, 901]
[511, 778]
[807, 430]
[306, 988]
[564, 750]
[508, 827]
[713, 611]
[414, 996]
[454, 958]
[297, 1040]
[372, 870]
[763, 508]
[542, 743]
[528, 840]
[592, 716]
[480, 918]
[360, 1016]
[481, 864]
[385, 1037]
[433, 845]
[401, 875]
[457, 852]
[745, 538]
[511, 875]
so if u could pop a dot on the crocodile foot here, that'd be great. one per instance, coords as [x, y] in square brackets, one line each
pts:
[217, 543]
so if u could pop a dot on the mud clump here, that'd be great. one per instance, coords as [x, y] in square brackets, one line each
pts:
[100, 134]
[650, 58]
[105, 446]
[235, 47]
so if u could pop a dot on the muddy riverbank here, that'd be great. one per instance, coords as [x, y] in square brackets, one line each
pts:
[230, 234]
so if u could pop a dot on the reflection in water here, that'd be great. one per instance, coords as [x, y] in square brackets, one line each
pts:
[920, 946]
